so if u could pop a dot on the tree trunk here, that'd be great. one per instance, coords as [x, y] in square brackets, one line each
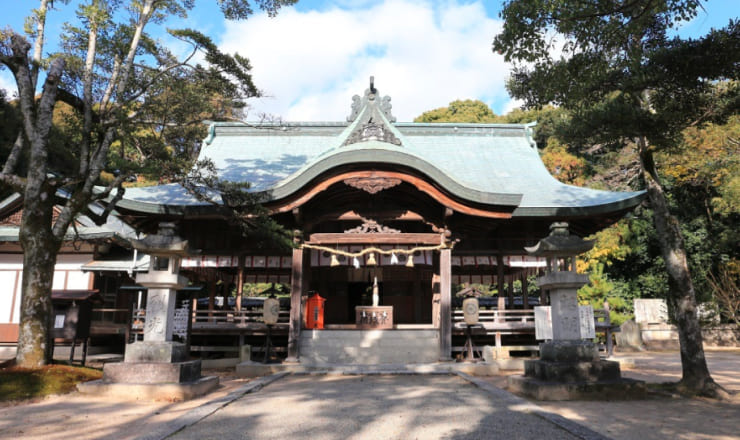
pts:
[696, 378]
[39, 257]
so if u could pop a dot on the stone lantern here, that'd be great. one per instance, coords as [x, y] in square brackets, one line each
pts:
[562, 281]
[157, 367]
[162, 281]
[569, 367]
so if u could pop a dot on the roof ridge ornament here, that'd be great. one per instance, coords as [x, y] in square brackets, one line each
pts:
[371, 118]
[371, 97]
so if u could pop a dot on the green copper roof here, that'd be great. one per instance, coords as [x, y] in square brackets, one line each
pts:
[494, 164]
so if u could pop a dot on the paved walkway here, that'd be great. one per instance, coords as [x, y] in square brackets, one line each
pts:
[374, 407]
[387, 407]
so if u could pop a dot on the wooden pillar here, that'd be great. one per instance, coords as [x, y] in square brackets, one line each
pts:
[211, 299]
[510, 291]
[435, 300]
[300, 265]
[525, 287]
[500, 285]
[240, 283]
[445, 306]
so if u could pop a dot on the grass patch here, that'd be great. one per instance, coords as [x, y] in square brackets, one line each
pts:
[24, 383]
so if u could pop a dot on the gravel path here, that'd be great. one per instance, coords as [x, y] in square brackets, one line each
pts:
[368, 407]
[659, 418]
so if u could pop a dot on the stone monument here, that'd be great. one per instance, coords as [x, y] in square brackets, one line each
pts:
[656, 332]
[157, 367]
[569, 366]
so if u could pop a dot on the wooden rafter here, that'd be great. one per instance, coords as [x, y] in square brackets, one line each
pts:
[417, 182]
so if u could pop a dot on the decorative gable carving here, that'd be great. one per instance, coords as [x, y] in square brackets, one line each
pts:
[372, 131]
[373, 112]
[372, 227]
[372, 185]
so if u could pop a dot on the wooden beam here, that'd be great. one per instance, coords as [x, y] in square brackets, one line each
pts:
[406, 216]
[445, 306]
[378, 238]
[417, 182]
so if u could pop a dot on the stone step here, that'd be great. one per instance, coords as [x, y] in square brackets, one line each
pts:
[369, 334]
[368, 347]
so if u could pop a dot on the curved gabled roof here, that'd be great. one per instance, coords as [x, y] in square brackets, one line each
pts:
[481, 164]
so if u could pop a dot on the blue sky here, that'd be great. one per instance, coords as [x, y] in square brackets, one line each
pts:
[311, 58]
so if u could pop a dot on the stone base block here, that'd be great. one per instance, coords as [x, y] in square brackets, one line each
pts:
[151, 351]
[256, 369]
[478, 368]
[572, 372]
[659, 336]
[622, 389]
[142, 391]
[151, 372]
[569, 351]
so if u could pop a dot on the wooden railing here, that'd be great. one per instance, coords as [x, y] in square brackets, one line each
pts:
[512, 321]
[112, 315]
[234, 317]
[507, 315]
[503, 321]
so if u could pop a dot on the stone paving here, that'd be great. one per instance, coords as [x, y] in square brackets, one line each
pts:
[328, 407]
[377, 406]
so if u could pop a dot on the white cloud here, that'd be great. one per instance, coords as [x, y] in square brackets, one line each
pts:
[7, 83]
[422, 54]
[513, 104]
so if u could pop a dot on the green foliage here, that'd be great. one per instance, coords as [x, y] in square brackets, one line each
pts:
[467, 111]
[601, 289]
[124, 89]
[566, 167]
[620, 75]
[549, 120]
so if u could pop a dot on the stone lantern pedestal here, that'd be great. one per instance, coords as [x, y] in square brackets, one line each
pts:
[157, 367]
[569, 366]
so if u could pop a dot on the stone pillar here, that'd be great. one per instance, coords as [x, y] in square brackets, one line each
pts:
[160, 308]
[567, 343]
[162, 281]
[563, 287]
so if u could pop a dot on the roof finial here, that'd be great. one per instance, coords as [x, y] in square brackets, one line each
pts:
[371, 100]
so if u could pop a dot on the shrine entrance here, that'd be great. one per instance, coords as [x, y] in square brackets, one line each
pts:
[407, 290]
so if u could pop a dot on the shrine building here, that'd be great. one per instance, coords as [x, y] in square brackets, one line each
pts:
[408, 212]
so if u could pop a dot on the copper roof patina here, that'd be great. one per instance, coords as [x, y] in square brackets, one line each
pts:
[485, 164]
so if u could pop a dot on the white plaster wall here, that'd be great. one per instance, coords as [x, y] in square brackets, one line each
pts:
[7, 284]
[67, 271]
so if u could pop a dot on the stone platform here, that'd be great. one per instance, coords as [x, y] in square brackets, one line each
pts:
[620, 389]
[572, 370]
[255, 369]
[150, 391]
[152, 372]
